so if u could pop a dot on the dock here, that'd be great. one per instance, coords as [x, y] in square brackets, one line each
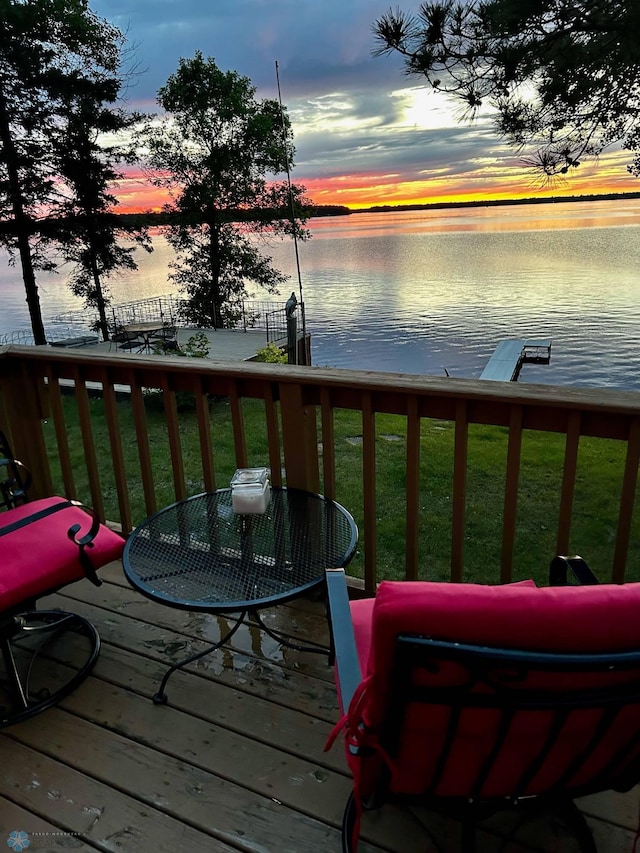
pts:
[225, 344]
[509, 356]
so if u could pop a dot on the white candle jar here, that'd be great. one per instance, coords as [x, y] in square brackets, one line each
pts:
[252, 498]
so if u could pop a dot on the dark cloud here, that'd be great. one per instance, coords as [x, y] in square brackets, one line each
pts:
[317, 44]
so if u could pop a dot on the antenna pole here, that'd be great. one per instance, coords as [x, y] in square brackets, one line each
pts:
[291, 205]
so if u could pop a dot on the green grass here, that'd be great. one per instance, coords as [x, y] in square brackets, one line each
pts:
[600, 466]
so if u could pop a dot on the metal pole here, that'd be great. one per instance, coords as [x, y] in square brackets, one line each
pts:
[291, 207]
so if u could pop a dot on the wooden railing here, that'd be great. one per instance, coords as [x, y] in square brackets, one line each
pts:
[299, 409]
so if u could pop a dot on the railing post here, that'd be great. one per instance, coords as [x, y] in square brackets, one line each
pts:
[292, 339]
[24, 406]
[299, 439]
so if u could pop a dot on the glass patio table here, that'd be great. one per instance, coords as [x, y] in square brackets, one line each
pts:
[143, 334]
[200, 555]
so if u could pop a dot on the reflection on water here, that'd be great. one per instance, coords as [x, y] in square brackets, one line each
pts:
[522, 217]
[424, 291]
[421, 301]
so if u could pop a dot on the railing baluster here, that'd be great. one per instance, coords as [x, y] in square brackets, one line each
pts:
[88, 443]
[568, 483]
[369, 492]
[64, 454]
[239, 436]
[117, 457]
[142, 440]
[204, 436]
[412, 489]
[460, 453]
[627, 499]
[514, 452]
[173, 433]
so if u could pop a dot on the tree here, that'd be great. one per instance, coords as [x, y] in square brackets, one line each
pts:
[86, 223]
[49, 50]
[562, 76]
[215, 150]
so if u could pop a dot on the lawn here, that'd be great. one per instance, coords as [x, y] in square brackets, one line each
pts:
[600, 467]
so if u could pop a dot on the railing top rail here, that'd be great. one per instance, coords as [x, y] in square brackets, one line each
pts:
[609, 400]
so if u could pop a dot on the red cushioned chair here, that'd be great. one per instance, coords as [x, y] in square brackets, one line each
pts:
[470, 698]
[44, 545]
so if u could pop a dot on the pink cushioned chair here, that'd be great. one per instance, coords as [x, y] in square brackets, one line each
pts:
[44, 545]
[470, 698]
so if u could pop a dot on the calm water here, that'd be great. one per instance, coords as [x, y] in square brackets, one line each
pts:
[424, 292]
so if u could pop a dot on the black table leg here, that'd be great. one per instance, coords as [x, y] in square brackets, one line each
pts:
[160, 698]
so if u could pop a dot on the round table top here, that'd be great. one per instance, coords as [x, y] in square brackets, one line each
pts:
[198, 554]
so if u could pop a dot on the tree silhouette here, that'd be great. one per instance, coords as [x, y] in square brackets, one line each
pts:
[86, 224]
[560, 77]
[218, 150]
[51, 51]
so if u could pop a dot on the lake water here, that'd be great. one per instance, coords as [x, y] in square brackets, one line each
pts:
[434, 291]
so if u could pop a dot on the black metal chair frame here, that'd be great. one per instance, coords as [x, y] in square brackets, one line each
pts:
[24, 621]
[165, 340]
[16, 480]
[505, 673]
[126, 340]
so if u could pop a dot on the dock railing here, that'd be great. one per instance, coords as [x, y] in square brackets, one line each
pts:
[80, 421]
[255, 314]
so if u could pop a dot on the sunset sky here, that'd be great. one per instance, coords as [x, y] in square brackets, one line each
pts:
[365, 133]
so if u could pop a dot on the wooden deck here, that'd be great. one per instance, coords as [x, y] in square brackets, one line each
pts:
[226, 344]
[234, 762]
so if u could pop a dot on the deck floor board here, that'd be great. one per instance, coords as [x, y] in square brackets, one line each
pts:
[234, 762]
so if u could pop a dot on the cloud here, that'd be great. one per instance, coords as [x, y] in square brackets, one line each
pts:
[355, 117]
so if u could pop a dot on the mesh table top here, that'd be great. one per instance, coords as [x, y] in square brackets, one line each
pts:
[198, 554]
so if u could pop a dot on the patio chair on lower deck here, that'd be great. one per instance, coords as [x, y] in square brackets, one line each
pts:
[120, 339]
[44, 545]
[166, 339]
[478, 698]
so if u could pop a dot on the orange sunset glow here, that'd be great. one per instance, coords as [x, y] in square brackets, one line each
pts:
[358, 191]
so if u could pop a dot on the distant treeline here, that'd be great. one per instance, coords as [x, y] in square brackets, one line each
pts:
[340, 210]
[50, 226]
[150, 219]
[381, 208]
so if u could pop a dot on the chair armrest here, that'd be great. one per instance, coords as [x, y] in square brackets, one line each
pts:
[86, 539]
[343, 638]
[580, 570]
